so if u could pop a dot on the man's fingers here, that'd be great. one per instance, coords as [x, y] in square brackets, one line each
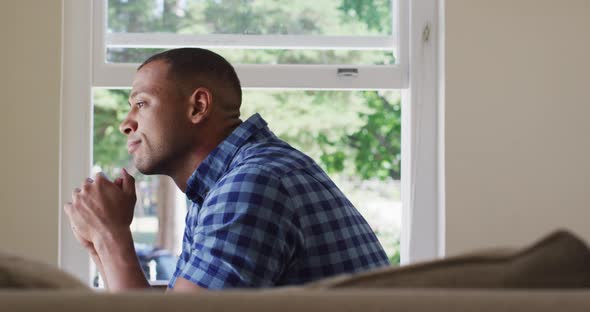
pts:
[100, 178]
[75, 193]
[87, 184]
[68, 208]
[119, 182]
[128, 182]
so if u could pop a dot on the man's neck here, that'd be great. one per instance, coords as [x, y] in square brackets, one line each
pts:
[195, 157]
[189, 166]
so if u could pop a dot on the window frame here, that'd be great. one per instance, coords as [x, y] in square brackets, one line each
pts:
[275, 76]
[417, 73]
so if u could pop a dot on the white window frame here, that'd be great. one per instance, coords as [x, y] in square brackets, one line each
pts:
[417, 73]
[278, 76]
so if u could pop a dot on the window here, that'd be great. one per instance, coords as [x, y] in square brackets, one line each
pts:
[333, 78]
[359, 148]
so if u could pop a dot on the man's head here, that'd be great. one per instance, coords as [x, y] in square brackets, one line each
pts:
[193, 67]
[182, 101]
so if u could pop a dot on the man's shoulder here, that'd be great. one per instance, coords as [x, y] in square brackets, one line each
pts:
[249, 181]
[251, 172]
[251, 191]
[268, 166]
[270, 157]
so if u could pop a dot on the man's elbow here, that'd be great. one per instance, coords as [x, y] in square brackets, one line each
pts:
[182, 285]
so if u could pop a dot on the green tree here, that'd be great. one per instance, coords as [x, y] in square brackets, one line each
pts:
[109, 144]
[376, 14]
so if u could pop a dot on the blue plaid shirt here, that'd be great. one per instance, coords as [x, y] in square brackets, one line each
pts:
[264, 214]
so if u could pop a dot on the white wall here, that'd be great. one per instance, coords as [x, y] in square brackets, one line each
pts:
[517, 120]
[30, 31]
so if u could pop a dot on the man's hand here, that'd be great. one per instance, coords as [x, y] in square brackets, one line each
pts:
[100, 213]
[101, 207]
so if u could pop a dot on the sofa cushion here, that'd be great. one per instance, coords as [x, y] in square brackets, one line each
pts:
[18, 272]
[561, 260]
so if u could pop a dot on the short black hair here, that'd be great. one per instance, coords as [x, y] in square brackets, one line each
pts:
[188, 63]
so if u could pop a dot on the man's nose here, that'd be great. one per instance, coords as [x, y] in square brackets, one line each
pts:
[128, 125]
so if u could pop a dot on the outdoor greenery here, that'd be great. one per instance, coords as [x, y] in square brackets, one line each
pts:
[353, 135]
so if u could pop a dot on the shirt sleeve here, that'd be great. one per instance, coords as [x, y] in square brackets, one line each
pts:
[245, 235]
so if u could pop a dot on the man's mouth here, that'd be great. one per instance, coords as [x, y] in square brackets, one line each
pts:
[132, 146]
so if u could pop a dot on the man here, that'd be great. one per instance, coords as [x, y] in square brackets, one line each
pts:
[263, 214]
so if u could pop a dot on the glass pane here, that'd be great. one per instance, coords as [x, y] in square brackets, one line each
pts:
[301, 17]
[243, 56]
[359, 147]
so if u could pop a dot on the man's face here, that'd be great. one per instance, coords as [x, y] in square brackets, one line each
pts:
[157, 124]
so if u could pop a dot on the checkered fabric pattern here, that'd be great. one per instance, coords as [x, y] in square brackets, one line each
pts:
[264, 214]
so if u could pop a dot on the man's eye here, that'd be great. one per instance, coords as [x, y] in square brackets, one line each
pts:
[139, 104]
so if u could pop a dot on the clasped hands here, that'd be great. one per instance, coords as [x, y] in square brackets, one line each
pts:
[101, 209]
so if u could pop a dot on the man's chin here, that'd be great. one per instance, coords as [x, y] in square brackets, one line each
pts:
[141, 167]
[144, 168]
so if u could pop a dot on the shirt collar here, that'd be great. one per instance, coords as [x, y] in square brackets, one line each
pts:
[218, 161]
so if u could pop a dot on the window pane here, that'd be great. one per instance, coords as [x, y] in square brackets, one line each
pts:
[265, 17]
[250, 56]
[354, 135]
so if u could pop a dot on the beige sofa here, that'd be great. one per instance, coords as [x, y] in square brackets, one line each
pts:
[406, 300]
[551, 275]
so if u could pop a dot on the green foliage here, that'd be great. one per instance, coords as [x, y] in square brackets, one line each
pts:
[378, 142]
[376, 14]
[395, 258]
[274, 17]
[143, 16]
[357, 133]
[309, 17]
[110, 109]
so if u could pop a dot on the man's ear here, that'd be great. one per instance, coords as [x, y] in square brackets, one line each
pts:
[200, 107]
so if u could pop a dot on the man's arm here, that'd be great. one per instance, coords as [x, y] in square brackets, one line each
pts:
[121, 269]
[98, 263]
[184, 285]
[92, 251]
[100, 213]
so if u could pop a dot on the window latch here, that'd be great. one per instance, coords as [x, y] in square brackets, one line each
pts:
[426, 33]
[348, 72]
